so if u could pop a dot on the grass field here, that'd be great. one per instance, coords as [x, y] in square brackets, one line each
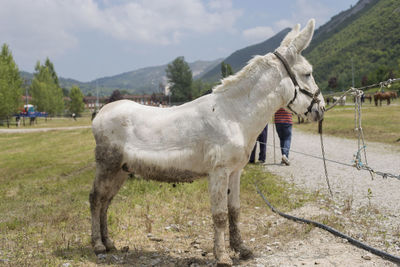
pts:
[380, 124]
[45, 180]
[51, 122]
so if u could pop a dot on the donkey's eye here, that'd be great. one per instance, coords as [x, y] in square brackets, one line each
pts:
[308, 75]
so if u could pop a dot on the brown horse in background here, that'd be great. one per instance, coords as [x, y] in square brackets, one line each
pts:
[393, 95]
[368, 96]
[382, 96]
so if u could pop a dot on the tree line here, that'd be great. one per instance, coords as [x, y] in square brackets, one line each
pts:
[47, 95]
[380, 74]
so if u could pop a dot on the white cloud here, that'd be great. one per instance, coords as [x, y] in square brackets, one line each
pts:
[51, 27]
[284, 23]
[220, 4]
[162, 21]
[303, 11]
[258, 33]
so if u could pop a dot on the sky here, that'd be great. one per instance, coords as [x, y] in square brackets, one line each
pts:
[90, 39]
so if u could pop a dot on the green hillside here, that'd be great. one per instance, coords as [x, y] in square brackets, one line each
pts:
[369, 38]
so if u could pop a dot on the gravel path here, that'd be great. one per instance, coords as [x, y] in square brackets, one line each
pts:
[308, 172]
[320, 247]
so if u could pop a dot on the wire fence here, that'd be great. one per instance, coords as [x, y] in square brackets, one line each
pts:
[357, 161]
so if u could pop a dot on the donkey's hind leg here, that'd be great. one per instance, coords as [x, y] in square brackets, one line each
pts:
[96, 198]
[106, 185]
[112, 190]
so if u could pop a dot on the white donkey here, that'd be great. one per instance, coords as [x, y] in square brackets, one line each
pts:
[212, 135]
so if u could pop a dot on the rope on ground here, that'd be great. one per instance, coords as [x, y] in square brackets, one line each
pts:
[323, 156]
[333, 231]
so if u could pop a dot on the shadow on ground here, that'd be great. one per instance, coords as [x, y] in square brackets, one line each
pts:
[135, 258]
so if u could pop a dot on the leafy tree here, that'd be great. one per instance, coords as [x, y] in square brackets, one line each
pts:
[65, 91]
[180, 77]
[76, 105]
[10, 84]
[333, 82]
[53, 73]
[364, 80]
[226, 70]
[200, 88]
[116, 95]
[47, 95]
[124, 92]
[382, 73]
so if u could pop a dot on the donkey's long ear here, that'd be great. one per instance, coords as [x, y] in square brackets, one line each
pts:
[290, 36]
[303, 39]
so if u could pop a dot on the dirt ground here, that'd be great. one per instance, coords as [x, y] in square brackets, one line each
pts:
[295, 245]
[363, 208]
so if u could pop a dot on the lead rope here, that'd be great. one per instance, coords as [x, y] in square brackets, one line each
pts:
[323, 156]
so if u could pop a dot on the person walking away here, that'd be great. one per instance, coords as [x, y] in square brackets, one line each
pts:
[262, 140]
[283, 123]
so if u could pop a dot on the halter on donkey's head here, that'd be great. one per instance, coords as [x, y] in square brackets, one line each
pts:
[296, 41]
[297, 87]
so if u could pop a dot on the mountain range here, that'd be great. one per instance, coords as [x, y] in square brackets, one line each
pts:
[364, 38]
[141, 81]
[363, 41]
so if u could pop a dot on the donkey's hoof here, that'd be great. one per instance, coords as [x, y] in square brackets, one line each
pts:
[109, 245]
[245, 253]
[224, 261]
[99, 248]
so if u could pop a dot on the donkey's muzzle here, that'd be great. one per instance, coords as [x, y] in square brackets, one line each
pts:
[317, 112]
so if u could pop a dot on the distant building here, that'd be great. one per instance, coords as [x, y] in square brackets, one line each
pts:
[90, 102]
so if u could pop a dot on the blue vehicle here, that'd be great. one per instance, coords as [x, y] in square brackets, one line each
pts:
[29, 111]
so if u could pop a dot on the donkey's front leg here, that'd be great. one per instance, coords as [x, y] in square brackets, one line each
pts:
[218, 187]
[235, 239]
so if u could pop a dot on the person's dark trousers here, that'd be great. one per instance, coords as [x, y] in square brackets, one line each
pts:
[262, 138]
[284, 131]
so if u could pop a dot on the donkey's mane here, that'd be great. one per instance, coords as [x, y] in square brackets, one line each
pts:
[252, 68]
